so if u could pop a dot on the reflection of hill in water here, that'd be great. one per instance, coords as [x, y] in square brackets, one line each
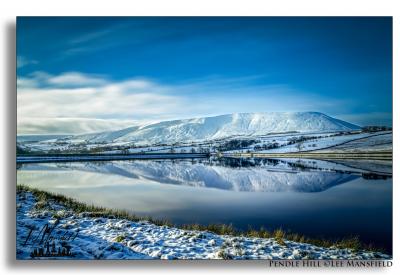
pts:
[230, 174]
[256, 179]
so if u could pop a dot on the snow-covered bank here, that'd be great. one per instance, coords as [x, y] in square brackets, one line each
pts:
[88, 237]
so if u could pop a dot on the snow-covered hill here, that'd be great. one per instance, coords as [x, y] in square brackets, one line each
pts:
[211, 128]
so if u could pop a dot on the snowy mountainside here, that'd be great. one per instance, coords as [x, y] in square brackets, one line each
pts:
[211, 128]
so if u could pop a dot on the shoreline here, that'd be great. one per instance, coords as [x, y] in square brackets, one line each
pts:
[120, 235]
[360, 155]
[104, 157]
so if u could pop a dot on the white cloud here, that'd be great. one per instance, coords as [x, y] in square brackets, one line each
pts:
[89, 102]
[76, 79]
[28, 125]
[67, 79]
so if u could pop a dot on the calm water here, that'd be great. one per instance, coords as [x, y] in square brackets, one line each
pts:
[315, 198]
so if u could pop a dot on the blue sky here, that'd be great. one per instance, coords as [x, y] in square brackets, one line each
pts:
[85, 74]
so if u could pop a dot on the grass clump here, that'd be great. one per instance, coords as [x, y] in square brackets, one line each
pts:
[119, 238]
[220, 229]
[353, 243]
[279, 236]
[222, 254]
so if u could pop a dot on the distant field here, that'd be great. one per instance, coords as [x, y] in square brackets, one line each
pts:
[382, 155]
[382, 142]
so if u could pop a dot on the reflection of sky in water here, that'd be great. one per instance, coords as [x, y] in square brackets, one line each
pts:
[321, 203]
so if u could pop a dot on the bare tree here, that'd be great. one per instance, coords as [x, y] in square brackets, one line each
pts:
[299, 145]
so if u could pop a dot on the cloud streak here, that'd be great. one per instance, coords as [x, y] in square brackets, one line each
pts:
[69, 125]
[89, 101]
[23, 61]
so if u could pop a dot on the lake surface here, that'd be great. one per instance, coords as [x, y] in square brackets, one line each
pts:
[312, 197]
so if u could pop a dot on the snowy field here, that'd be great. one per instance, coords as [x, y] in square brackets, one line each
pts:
[350, 141]
[108, 238]
[330, 142]
[378, 142]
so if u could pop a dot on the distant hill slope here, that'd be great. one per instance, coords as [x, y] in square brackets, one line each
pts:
[208, 128]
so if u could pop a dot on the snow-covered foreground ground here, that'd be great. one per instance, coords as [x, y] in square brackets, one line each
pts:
[108, 238]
